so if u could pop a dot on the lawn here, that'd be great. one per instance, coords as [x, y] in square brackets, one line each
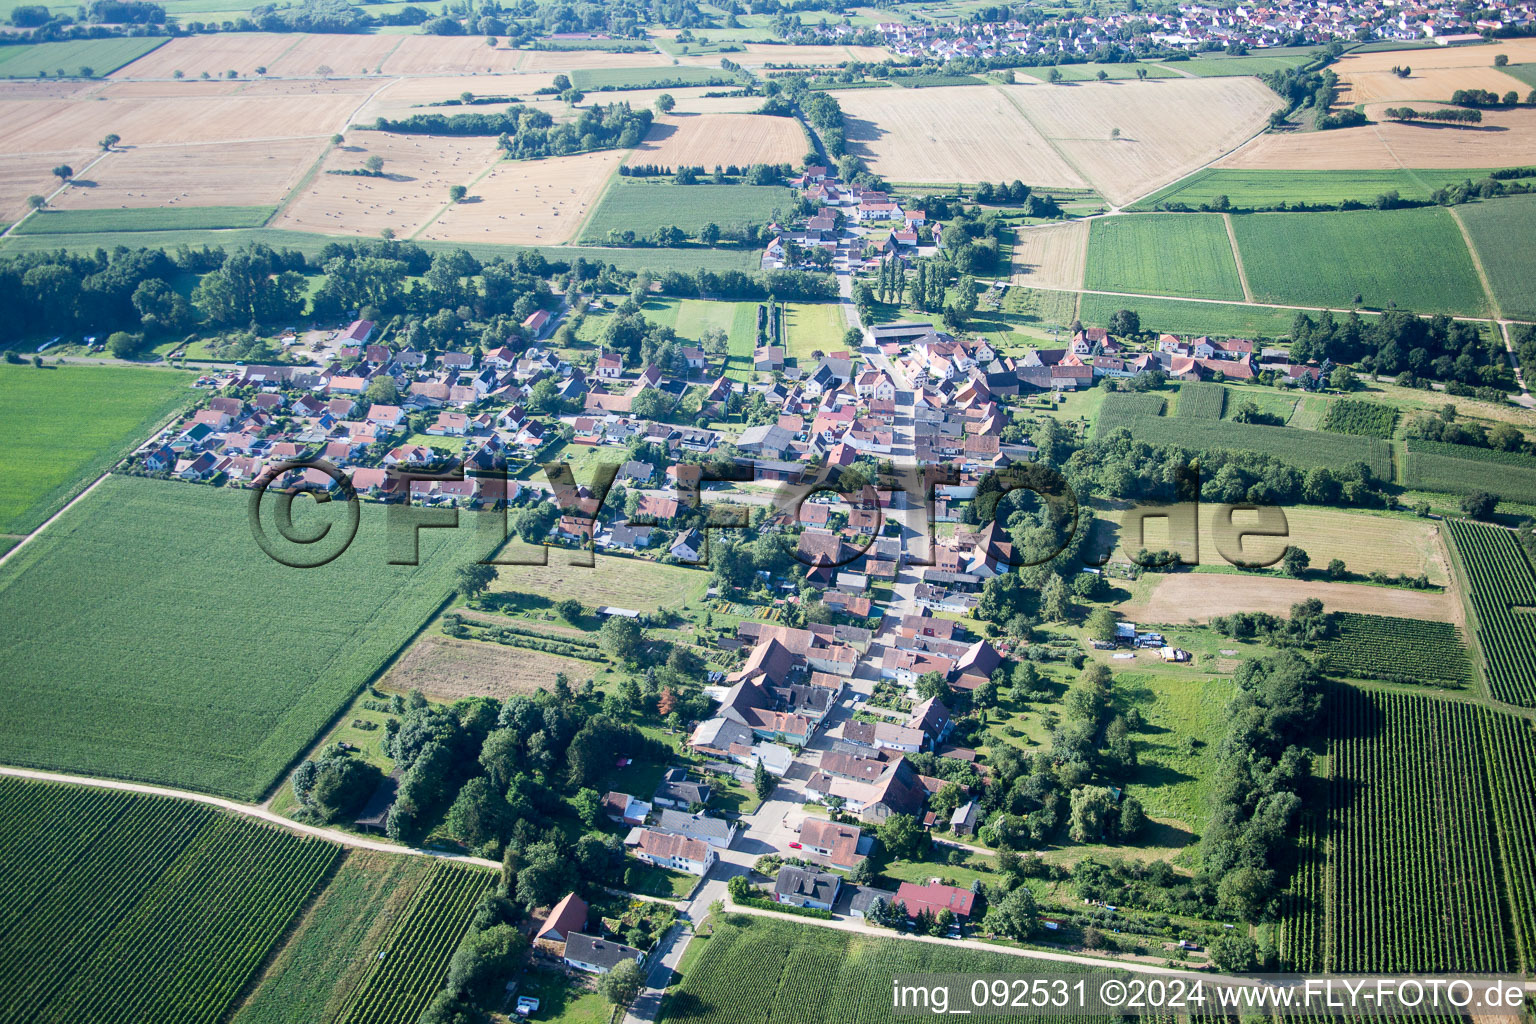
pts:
[1163, 254]
[1213, 67]
[101, 56]
[224, 664]
[623, 583]
[607, 79]
[1501, 231]
[1176, 316]
[184, 218]
[1414, 258]
[68, 424]
[1248, 189]
[561, 1001]
[310, 977]
[813, 327]
[643, 205]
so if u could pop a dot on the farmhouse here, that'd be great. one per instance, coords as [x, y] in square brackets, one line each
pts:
[671, 851]
[598, 956]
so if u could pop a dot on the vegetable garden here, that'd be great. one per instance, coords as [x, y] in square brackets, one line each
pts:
[410, 968]
[1399, 650]
[1501, 580]
[121, 907]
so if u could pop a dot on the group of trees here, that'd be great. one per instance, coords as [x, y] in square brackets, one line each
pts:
[1445, 427]
[1397, 342]
[527, 133]
[1440, 114]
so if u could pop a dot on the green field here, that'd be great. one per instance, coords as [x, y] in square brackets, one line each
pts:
[1501, 230]
[312, 245]
[1090, 72]
[1163, 254]
[1246, 189]
[592, 80]
[225, 665]
[1218, 66]
[1399, 650]
[1414, 258]
[642, 206]
[1200, 401]
[102, 56]
[1502, 585]
[120, 907]
[181, 218]
[1299, 448]
[813, 327]
[1175, 316]
[756, 970]
[68, 424]
[1463, 469]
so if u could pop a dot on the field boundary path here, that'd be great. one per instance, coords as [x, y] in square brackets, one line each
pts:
[1237, 257]
[250, 810]
[1477, 264]
[27, 539]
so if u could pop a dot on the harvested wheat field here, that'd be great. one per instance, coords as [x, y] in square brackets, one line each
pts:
[42, 89]
[49, 125]
[450, 55]
[449, 669]
[1199, 597]
[343, 54]
[1051, 255]
[418, 171]
[242, 52]
[1168, 127]
[168, 88]
[719, 140]
[963, 134]
[529, 202]
[1425, 85]
[402, 97]
[220, 174]
[1519, 51]
[23, 175]
[1505, 138]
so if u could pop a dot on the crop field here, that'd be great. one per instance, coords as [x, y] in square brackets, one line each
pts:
[1167, 127]
[121, 907]
[1425, 85]
[1176, 316]
[1201, 401]
[1414, 258]
[1163, 254]
[1463, 469]
[194, 700]
[811, 975]
[102, 56]
[1214, 66]
[634, 204]
[235, 174]
[1366, 543]
[1090, 72]
[51, 453]
[1300, 448]
[1410, 845]
[1506, 138]
[813, 327]
[1051, 255]
[27, 174]
[417, 173]
[1496, 228]
[526, 202]
[182, 218]
[214, 53]
[1500, 581]
[400, 984]
[593, 80]
[721, 140]
[1398, 650]
[1258, 189]
[309, 978]
[950, 135]
[1368, 419]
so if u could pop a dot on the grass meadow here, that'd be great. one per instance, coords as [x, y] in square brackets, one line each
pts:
[1414, 258]
[184, 218]
[223, 665]
[1163, 254]
[102, 56]
[1217, 319]
[642, 206]
[595, 79]
[1501, 231]
[1090, 72]
[1257, 189]
[813, 327]
[69, 424]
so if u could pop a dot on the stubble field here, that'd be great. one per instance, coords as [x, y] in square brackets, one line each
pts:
[528, 202]
[1051, 255]
[220, 174]
[1506, 138]
[720, 140]
[1199, 597]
